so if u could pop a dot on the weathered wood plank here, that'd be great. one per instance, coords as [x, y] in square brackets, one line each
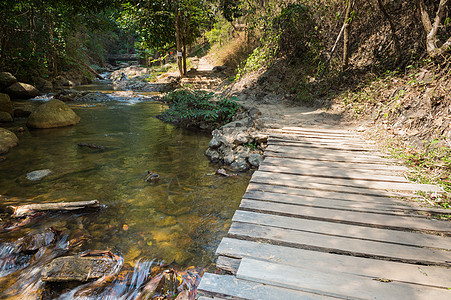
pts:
[228, 285]
[345, 245]
[228, 264]
[334, 173]
[343, 204]
[289, 148]
[317, 130]
[274, 151]
[332, 145]
[306, 181]
[309, 139]
[422, 275]
[322, 134]
[388, 168]
[337, 229]
[382, 198]
[364, 218]
[332, 284]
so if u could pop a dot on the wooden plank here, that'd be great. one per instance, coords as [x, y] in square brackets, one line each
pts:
[334, 155]
[319, 133]
[388, 168]
[332, 284]
[317, 130]
[330, 173]
[337, 229]
[306, 181]
[273, 151]
[308, 139]
[289, 148]
[228, 264]
[343, 204]
[344, 245]
[363, 218]
[377, 198]
[396, 271]
[332, 145]
[228, 285]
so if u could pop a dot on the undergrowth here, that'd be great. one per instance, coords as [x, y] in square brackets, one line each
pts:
[190, 108]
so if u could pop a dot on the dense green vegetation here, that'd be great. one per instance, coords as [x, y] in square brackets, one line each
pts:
[198, 109]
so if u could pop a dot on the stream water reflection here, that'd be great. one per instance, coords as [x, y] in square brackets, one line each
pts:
[182, 217]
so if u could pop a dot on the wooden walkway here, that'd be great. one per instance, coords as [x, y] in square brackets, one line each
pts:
[322, 219]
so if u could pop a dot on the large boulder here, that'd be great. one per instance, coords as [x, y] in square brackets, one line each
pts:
[5, 117]
[54, 113]
[6, 79]
[43, 85]
[21, 90]
[5, 104]
[7, 140]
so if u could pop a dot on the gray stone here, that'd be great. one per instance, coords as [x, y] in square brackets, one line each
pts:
[38, 174]
[5, 117]
[6, 104]
[7, 140]
[54, 113]
[229, 159]
[20, 90]
[213, 155]
[255, 159]
[74, 268]
[6, 79]
[242, 152]
[239, 165]
[241, 138]
[214, 143]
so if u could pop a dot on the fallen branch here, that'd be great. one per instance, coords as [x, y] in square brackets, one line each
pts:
[29, 209]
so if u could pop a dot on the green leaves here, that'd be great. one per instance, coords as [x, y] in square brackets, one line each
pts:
[190, 108]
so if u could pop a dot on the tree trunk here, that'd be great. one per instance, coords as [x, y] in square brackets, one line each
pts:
[346, 28]
[432, 28]
[178, 39]
[393, 30]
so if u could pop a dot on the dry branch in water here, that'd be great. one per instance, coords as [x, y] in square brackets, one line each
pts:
[29, 209]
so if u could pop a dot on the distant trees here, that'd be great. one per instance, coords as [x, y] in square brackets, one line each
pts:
[35, 35]
[166, 24]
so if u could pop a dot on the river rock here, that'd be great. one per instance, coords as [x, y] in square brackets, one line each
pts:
[53, 113]
[20, 90]
[7, 140]
[255, 159]
[74, 268]
[6, 79]
[239, 165]
[38, 174]
[5, 117]
[21, 113]
[5, 104]
[212, 154]
[43, 85]
[214, 143]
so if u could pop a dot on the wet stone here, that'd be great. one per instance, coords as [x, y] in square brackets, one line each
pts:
[74, 268]
[38, 174]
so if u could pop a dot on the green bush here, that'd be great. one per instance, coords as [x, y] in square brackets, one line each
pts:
[198, 109]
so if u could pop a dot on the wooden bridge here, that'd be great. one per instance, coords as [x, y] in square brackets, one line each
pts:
[322, 218]
[114, 58]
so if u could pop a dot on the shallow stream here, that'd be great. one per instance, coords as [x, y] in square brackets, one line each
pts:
[181, 218]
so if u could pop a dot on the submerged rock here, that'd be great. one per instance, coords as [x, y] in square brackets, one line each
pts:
[75, 268]
[54, 113]
[38, 174]
[20, 90]
[7, 140]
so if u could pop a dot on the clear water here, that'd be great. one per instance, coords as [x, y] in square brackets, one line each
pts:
[181, 218]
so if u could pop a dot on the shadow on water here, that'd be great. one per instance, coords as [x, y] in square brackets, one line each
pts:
[181, 218]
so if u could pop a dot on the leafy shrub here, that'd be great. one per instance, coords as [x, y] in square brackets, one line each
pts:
[198, 109]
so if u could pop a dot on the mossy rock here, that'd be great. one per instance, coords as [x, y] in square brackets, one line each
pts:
[7, 140]
[5, 104]
[54, 113]
[6, 79]
[20, 90]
